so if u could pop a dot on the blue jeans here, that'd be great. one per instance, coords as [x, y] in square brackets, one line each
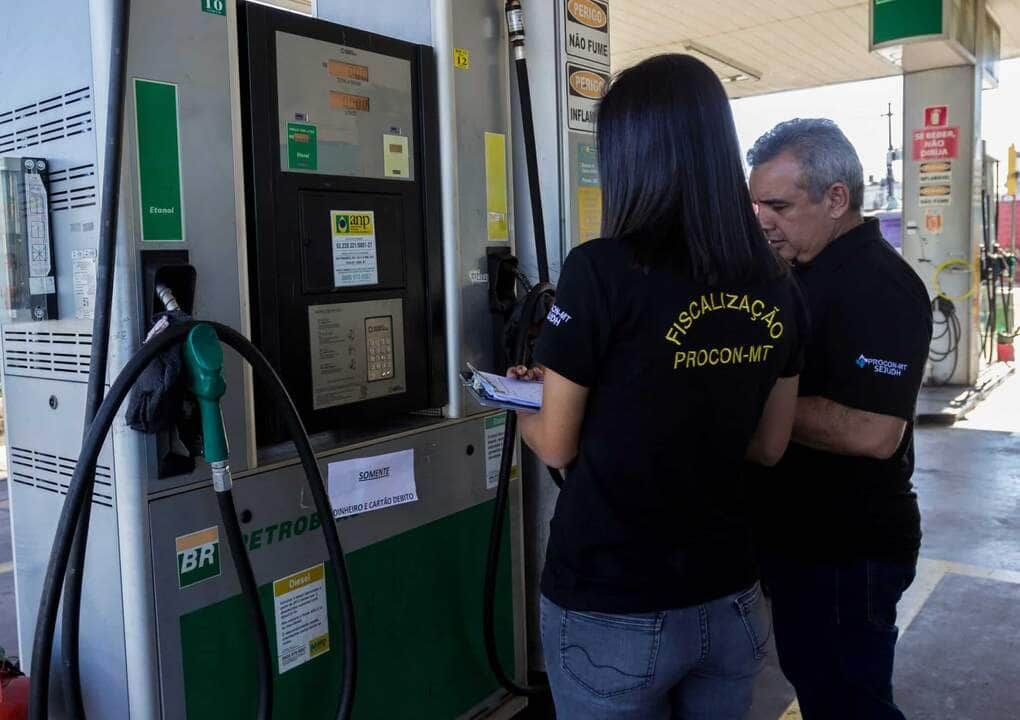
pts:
[836, 633]
[696, 663]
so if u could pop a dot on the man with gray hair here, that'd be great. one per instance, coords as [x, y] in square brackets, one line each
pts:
[840, 523]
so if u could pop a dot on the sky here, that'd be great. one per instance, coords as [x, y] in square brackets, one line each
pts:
[859, 107]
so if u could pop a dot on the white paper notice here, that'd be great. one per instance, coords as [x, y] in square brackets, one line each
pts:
[373, 483]
[83, 269]
[38, 218]
[354, 257]
[302, 627]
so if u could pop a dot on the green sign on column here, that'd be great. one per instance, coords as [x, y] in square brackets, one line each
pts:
[159, 161]
[901, 19]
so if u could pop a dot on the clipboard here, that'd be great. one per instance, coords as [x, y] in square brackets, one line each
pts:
[484, 394]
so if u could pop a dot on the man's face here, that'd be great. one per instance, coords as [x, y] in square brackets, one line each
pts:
[794, 225]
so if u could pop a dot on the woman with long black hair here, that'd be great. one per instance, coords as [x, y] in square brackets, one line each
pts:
[671, 355]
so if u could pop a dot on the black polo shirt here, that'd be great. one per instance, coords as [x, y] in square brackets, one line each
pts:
[654, 514]
[871, 328]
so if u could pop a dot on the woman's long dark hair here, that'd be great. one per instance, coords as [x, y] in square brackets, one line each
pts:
[673, 185]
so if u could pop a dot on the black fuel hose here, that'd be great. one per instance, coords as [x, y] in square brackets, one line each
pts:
[531, 156]
[516, 35]
[83, 479]
[988, 337]
[515, 28]
[250, 591]
[949, 329]
[520, 356]
[106, 260]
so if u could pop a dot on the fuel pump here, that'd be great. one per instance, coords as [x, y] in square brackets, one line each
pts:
[281, 178]
[205, 363]
[997, 267]
[204, 360]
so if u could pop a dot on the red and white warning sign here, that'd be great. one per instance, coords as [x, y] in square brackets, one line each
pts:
[933, 221]
[936, 116]
[936, 143]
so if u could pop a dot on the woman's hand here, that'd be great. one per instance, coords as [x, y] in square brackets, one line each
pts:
[521, 372]
[554, 432]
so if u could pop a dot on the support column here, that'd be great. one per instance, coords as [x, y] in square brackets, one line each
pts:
[942, 195]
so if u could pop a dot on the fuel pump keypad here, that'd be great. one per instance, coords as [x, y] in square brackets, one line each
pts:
[379, 336]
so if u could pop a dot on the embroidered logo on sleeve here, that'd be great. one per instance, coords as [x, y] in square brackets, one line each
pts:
[882, 367]
[557, 316]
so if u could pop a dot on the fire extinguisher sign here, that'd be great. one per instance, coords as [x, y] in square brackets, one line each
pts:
[936, 116]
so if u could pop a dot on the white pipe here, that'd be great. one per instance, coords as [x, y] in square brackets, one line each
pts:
[141, 653]
[442, 37]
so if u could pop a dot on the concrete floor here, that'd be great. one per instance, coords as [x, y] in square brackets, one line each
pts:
[959, 648]
[960, 620]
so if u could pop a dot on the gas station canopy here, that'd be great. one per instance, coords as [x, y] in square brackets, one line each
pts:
[791, 45]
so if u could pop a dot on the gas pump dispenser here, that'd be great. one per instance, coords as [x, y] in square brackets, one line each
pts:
[281, 178]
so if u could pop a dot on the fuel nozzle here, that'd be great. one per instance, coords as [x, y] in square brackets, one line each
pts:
[203, 356]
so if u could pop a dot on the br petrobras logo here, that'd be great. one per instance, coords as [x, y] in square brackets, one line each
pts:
[882, 367]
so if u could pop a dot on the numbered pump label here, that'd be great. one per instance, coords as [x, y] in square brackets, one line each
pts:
[214, 7]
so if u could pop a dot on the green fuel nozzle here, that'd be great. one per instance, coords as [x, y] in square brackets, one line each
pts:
[203, 357]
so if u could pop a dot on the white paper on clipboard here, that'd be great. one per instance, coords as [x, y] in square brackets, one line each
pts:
[495, 391]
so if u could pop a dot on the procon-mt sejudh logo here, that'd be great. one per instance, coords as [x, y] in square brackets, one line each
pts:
[882, 367]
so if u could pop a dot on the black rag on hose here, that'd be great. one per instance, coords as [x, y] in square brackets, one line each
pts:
[156, 398]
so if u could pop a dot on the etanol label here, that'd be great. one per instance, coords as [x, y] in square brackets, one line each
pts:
[302, 146]
[158, 145]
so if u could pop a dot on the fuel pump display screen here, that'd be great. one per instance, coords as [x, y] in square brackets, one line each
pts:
[345, 253]
[348, 71]
[347, 101]
[343, 110]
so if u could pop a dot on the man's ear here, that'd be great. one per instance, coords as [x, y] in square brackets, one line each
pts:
[838, 200]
